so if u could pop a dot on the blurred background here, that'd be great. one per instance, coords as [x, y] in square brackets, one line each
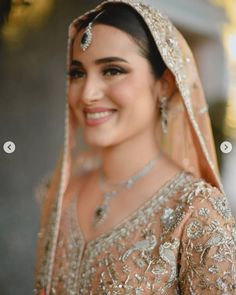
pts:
[33, 39]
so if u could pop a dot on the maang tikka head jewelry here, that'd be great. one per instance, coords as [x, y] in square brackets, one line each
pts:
[87, 37]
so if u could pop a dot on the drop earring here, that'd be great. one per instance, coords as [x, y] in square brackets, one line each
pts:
[164, 114]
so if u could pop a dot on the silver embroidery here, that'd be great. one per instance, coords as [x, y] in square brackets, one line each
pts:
[213, 269]
[221, 285]
[195, 229]
[171, 218]
[234, 233]
[203, 212]
[144, 245]
[167, 212]
[135, 258]
[221, 205]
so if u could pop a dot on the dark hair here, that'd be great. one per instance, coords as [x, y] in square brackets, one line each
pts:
[125, 18]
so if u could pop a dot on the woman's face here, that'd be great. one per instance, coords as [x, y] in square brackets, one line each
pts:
[112, 90]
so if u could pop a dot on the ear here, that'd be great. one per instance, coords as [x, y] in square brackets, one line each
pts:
[167, 84]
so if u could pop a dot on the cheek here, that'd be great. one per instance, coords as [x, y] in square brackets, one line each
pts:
[73, 95]
[125, 92]
[131, 90]
[73, 101]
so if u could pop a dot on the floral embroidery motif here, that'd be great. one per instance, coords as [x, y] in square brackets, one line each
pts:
[188, 256]
[221, 205]
[204, 212]
[96, 268]
[195, 229]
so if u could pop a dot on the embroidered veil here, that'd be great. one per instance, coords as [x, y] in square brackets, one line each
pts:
[194, 150]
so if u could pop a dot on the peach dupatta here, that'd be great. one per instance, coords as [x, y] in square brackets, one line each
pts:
[189, 141]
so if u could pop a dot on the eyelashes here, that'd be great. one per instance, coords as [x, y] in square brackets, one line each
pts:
[75, 74]
[107, 72]
[113, 71]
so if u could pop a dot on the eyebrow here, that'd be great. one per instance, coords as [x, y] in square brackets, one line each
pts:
[100, 61]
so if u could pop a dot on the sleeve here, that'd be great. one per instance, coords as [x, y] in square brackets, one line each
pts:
[208, 246]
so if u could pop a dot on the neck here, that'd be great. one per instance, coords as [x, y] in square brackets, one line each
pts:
[121, 161]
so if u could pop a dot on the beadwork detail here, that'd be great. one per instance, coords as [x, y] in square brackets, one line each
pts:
[97, 268]
[139, 257]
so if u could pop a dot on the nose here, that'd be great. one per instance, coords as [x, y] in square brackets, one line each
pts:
[91, 90]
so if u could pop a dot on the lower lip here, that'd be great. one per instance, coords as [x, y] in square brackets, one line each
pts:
[99, 121]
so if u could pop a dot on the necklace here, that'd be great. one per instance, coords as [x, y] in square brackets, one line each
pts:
[102, 210]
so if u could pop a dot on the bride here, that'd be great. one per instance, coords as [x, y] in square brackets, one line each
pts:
[140, 208]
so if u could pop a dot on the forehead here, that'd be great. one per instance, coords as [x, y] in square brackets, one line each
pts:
[106, 40]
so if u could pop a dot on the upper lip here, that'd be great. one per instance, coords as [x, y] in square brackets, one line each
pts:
[97, 110]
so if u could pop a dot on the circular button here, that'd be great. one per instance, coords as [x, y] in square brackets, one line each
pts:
[226, 147]
[9, 147]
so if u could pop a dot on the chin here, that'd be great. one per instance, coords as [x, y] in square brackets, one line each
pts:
[98, 143]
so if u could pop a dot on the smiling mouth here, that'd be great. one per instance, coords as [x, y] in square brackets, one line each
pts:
[96, 118]
[98, 115]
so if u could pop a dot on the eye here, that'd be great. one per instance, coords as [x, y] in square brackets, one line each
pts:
[113, 71]
[76, 74]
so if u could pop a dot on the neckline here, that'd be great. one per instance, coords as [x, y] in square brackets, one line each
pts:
[157, 194]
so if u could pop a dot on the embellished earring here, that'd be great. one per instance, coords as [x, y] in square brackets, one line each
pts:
[164, 114]
[87, 37]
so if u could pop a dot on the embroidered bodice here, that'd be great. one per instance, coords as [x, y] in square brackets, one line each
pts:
[180, 241]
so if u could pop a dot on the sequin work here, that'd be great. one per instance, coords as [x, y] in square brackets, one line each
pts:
[178, 242]
[182, 241]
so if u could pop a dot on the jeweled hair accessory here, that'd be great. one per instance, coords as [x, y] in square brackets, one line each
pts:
[87, 37]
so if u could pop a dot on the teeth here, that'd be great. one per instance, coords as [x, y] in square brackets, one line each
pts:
[98, 115]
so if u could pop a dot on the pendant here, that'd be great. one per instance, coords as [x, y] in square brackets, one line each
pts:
[100, 215]
[86, 38]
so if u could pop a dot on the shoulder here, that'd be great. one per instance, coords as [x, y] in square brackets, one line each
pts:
[201, 198]
[195, 202]
[208, 240]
